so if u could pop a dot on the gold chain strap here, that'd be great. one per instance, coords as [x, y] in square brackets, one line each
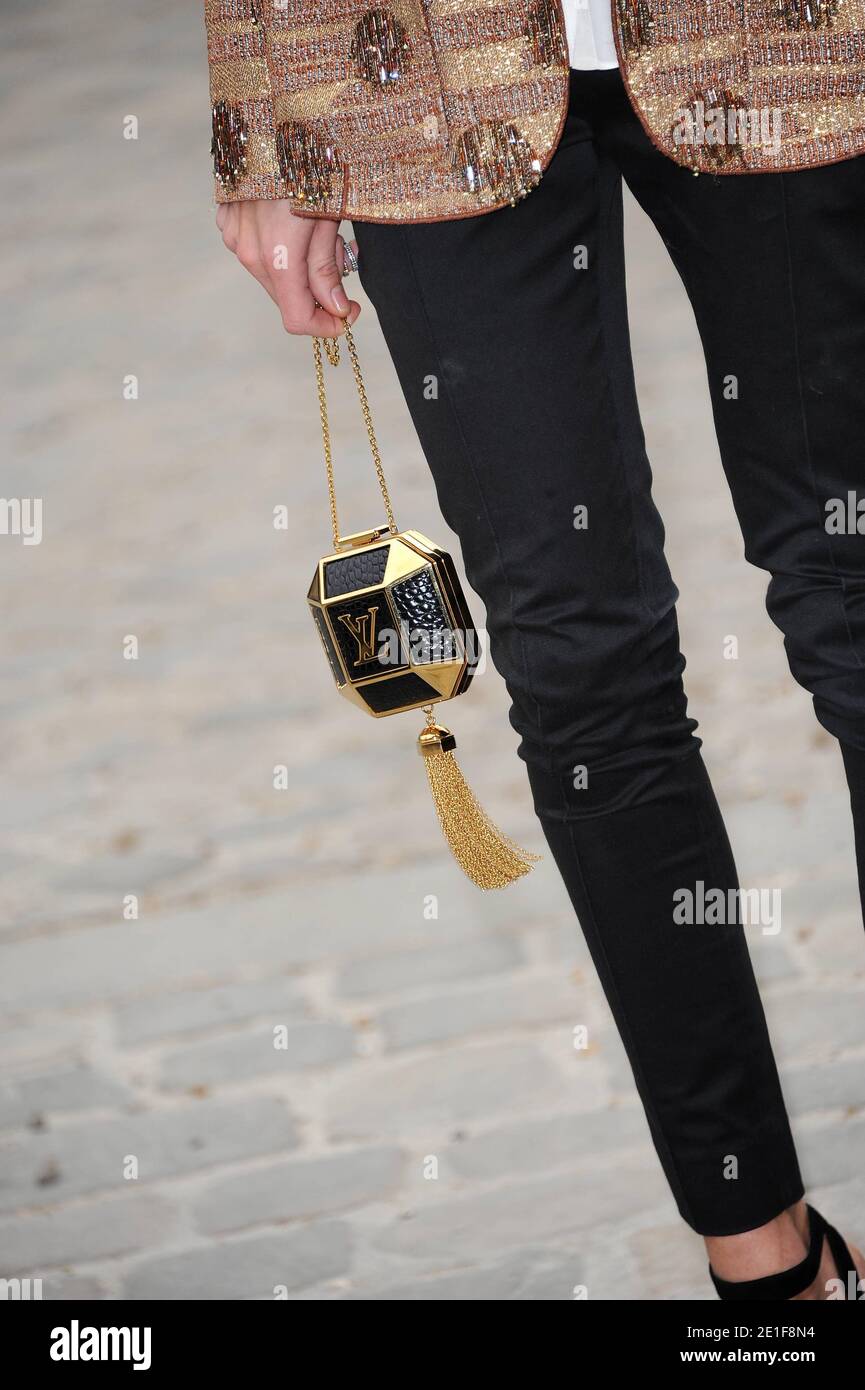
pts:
[331, 347]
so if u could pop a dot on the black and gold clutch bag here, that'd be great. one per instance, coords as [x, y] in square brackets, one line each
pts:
[398, 635]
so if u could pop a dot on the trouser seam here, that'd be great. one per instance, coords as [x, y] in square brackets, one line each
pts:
[806, 437]
[604, 312]
[479, 490]
[603, 223]
[783, 1124]
[625, 1030]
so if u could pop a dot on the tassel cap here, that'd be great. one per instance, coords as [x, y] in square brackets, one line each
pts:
[435, 738]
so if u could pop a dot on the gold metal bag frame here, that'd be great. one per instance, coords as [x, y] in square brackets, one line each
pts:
[398, 585]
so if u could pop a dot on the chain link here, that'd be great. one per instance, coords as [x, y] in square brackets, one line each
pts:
[331, 347]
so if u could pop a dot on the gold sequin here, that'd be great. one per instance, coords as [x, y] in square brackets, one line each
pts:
[308, 163]
[808, 14]
[228, 145]
[636, 24]
[380, 48]
[494, 157]
[715, 119]
[545, 34]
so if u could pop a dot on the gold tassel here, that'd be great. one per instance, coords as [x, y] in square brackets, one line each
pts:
[487, 856]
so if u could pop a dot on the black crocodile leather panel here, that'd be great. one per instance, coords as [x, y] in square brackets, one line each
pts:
[419, 604]
[359, 570]
[327, 643]
[409, 689]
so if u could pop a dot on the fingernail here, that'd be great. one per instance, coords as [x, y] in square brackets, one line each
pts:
[340, 299]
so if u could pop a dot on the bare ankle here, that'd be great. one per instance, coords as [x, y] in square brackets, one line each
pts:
[795, 1238]
[779, 1244]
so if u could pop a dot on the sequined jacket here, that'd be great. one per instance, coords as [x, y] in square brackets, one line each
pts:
[420, 110]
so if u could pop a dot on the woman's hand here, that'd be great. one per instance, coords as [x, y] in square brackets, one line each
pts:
[298, 260]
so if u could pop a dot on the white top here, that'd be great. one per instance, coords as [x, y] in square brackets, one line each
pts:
[589, 27]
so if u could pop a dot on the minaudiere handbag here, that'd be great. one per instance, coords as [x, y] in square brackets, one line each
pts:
[396, 630]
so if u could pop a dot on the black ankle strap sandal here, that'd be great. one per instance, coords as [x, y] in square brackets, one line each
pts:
[790, 1282]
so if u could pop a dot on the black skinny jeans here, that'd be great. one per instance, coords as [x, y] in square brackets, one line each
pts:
[536, 413]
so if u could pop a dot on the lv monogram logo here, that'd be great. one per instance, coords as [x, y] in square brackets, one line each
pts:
[362, 630]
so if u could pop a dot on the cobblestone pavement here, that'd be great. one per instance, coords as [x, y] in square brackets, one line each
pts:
[156, 1143]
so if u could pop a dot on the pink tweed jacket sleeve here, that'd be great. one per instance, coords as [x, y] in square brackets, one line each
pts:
[420, 110]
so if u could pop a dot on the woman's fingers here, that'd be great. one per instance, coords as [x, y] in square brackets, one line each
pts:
[339, 256]
[351, 253]
[324, 262]
[287, 239]
[300, 311]
[253, 258]
[228, 222]
[346, 256]
[297, 260]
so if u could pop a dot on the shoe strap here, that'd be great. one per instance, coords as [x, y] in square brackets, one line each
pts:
[788, 1282]
[844, 1263]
